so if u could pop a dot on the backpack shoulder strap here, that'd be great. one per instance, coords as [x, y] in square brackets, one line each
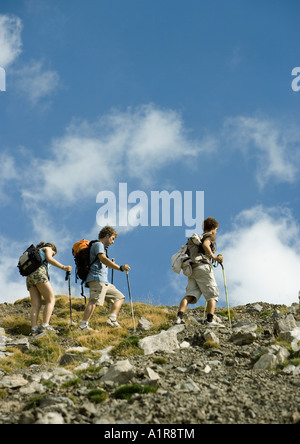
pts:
[90, 246]
[96, 258]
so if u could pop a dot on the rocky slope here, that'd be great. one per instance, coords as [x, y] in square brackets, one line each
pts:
[188, 374]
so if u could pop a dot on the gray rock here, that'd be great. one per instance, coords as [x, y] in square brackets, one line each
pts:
[273, 356]
[245, 327]
[243, 337]
[151, 374]
[105, 357]
[13, 381]
[68, 358]
[22, 344]
[285, 324]
[50, 418]
[166, 341]
[254, 308]
[187, 386]
[266, 361]
[144, 324]
[210, 336]
[293, 337]
[120, 373]
[51, 403]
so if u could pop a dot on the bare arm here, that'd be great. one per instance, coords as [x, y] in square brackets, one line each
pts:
[55, 263]
[209, 253]
[110, 264]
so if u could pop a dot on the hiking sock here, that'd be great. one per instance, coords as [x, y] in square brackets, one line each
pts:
[113, 317]
[209, 317]
[84, 324]
[180, 314]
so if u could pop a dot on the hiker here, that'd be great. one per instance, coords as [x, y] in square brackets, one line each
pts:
[38, 285]
[202, 280]
[97, 280]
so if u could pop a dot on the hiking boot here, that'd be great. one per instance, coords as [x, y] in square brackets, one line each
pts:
[179, 321]
[113, 323]
[86, 328]
[34, 331]
[214, 324]
[47, 328]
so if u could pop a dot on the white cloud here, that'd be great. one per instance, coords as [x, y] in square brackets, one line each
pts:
[33, 80]
[92, 157]
[261, 257]
[10, 39]
[270, 144]
[44, 228]
[157, 138]
[36, 82]
[12, 285]
[135, 144]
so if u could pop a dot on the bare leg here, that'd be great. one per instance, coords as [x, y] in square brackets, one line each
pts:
[184, 303]
[36, 304]
[116, 307]
[48, 295]
[211, 306]
[88, 312]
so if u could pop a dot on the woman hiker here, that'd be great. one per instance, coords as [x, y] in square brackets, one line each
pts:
[38, 285]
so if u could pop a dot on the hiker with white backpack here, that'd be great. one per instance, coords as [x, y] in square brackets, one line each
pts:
[196, 259]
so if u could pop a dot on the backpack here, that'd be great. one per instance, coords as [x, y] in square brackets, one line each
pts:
[179, 258]
[30, 261]
[183, 259]
[81, 252]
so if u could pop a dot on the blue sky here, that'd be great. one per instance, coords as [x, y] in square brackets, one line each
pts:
[161, 95]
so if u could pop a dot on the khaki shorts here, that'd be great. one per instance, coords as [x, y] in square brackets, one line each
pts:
[100, 292]
[202, 281]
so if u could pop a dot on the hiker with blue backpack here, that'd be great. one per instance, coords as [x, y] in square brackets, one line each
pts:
[34, 264]
[197, 256]
[97, 280]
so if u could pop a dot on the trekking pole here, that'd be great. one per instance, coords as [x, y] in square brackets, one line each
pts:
[68, 278]
[131, 304]
[112, 273]
[225, 285]
[205, 307]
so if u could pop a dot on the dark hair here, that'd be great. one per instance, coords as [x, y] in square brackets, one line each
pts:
[43, 245]
[210, 223]
[108, 231]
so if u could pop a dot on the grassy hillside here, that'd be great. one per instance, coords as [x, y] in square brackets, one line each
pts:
[14, 318]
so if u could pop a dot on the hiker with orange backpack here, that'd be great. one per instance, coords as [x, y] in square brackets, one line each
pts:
[97, 280]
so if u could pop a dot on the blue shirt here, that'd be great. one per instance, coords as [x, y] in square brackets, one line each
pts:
[98, 271]
[43, 256]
